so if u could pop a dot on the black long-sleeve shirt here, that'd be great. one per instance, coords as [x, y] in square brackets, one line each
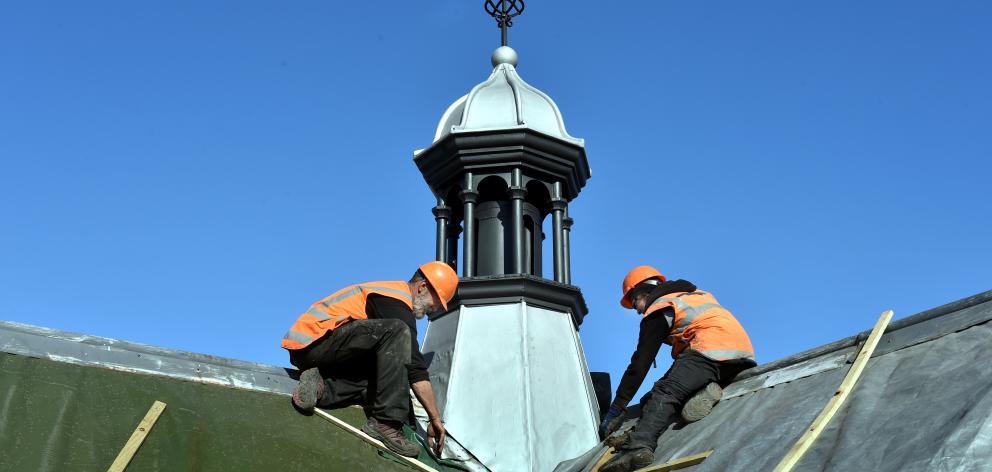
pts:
[383, 307]
[655, 328]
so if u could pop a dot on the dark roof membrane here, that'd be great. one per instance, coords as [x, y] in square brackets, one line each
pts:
[922, 404]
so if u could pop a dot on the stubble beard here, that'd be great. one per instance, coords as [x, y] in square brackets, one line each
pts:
[420, 307]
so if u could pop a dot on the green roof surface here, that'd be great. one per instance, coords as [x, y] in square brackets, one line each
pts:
[61, 416]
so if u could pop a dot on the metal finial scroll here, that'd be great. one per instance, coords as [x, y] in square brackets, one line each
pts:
[504, 11]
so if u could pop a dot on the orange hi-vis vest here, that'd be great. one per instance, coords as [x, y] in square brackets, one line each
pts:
[339, 308]
[701, 324]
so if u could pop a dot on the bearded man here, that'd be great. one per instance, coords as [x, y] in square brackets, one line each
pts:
[359, 345]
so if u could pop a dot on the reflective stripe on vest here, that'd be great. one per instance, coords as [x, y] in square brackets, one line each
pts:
[298, 337]
[339, 308]
[701, 324]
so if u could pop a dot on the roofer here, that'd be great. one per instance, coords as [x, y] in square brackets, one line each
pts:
[709, 346]
[365, 337]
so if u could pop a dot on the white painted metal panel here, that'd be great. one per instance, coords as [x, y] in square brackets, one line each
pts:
[519, 393]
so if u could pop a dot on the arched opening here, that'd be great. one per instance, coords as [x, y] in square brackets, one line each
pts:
[538, 195]
[492, 188]
[492, 221]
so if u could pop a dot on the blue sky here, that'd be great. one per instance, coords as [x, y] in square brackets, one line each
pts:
[194, 174]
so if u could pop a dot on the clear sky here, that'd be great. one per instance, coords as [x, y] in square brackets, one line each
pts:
[194, 174]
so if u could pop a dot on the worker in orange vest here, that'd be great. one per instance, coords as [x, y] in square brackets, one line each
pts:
[359, 345]
[710, 348]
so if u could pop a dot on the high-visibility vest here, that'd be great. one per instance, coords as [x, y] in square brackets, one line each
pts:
[701, 324]
[339, 308]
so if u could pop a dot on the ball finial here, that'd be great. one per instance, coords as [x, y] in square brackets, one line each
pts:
[504, 55]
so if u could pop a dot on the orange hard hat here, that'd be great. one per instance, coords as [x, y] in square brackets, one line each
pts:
[634, 277]
[442, 278]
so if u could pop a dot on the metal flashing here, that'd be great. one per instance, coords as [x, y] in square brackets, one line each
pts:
[504, 100]
[451, 117]
[534, 369]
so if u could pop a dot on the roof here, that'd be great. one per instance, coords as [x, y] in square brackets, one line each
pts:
[504, 101]
[922, 404]
[60, 416]
[71, 401]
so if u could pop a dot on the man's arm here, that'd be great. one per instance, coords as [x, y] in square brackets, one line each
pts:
[435, 431]
[654, 330]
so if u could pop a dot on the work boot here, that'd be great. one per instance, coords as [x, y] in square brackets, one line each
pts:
[701, 404]
[618, 440]
[309, 390]
[629, 460]
[391, 434]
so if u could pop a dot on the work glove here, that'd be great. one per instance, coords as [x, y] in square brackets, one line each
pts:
[611, 422]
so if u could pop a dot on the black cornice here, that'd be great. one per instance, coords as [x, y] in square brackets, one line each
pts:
[445, 162]
[537, 291]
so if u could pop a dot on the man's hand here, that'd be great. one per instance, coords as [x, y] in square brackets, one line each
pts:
[435, 436]
[611, 421]
[435, 430]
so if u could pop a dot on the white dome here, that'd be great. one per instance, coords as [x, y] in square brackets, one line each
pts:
[504, 101]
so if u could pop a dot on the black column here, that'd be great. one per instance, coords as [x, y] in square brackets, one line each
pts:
[567, 227]
[469, 196]
[442, 215]
[517, 193]
[558, 205]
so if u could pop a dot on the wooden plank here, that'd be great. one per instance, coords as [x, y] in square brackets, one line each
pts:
[137, 437]
[676, 464]
[679, 463]
[809, 436]
[602, 460]
[374, 442]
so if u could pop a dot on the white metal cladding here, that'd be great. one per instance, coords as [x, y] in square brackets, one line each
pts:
[504, 101]
[519, 395]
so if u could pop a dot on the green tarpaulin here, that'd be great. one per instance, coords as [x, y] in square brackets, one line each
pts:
[56, 416]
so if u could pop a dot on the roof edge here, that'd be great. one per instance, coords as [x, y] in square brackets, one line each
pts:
[904, 324]
[81, 349]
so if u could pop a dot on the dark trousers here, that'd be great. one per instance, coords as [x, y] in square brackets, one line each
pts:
[359, 357]
[690, 373]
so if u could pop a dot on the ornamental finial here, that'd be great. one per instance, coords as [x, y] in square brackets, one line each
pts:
[504, 11]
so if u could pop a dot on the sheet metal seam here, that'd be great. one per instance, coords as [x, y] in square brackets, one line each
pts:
[528, 414]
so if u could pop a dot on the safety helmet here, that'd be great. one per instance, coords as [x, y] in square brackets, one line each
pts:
[442, 278]
[636, 276]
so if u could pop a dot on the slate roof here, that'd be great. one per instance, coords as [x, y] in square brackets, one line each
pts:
[924, 403]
